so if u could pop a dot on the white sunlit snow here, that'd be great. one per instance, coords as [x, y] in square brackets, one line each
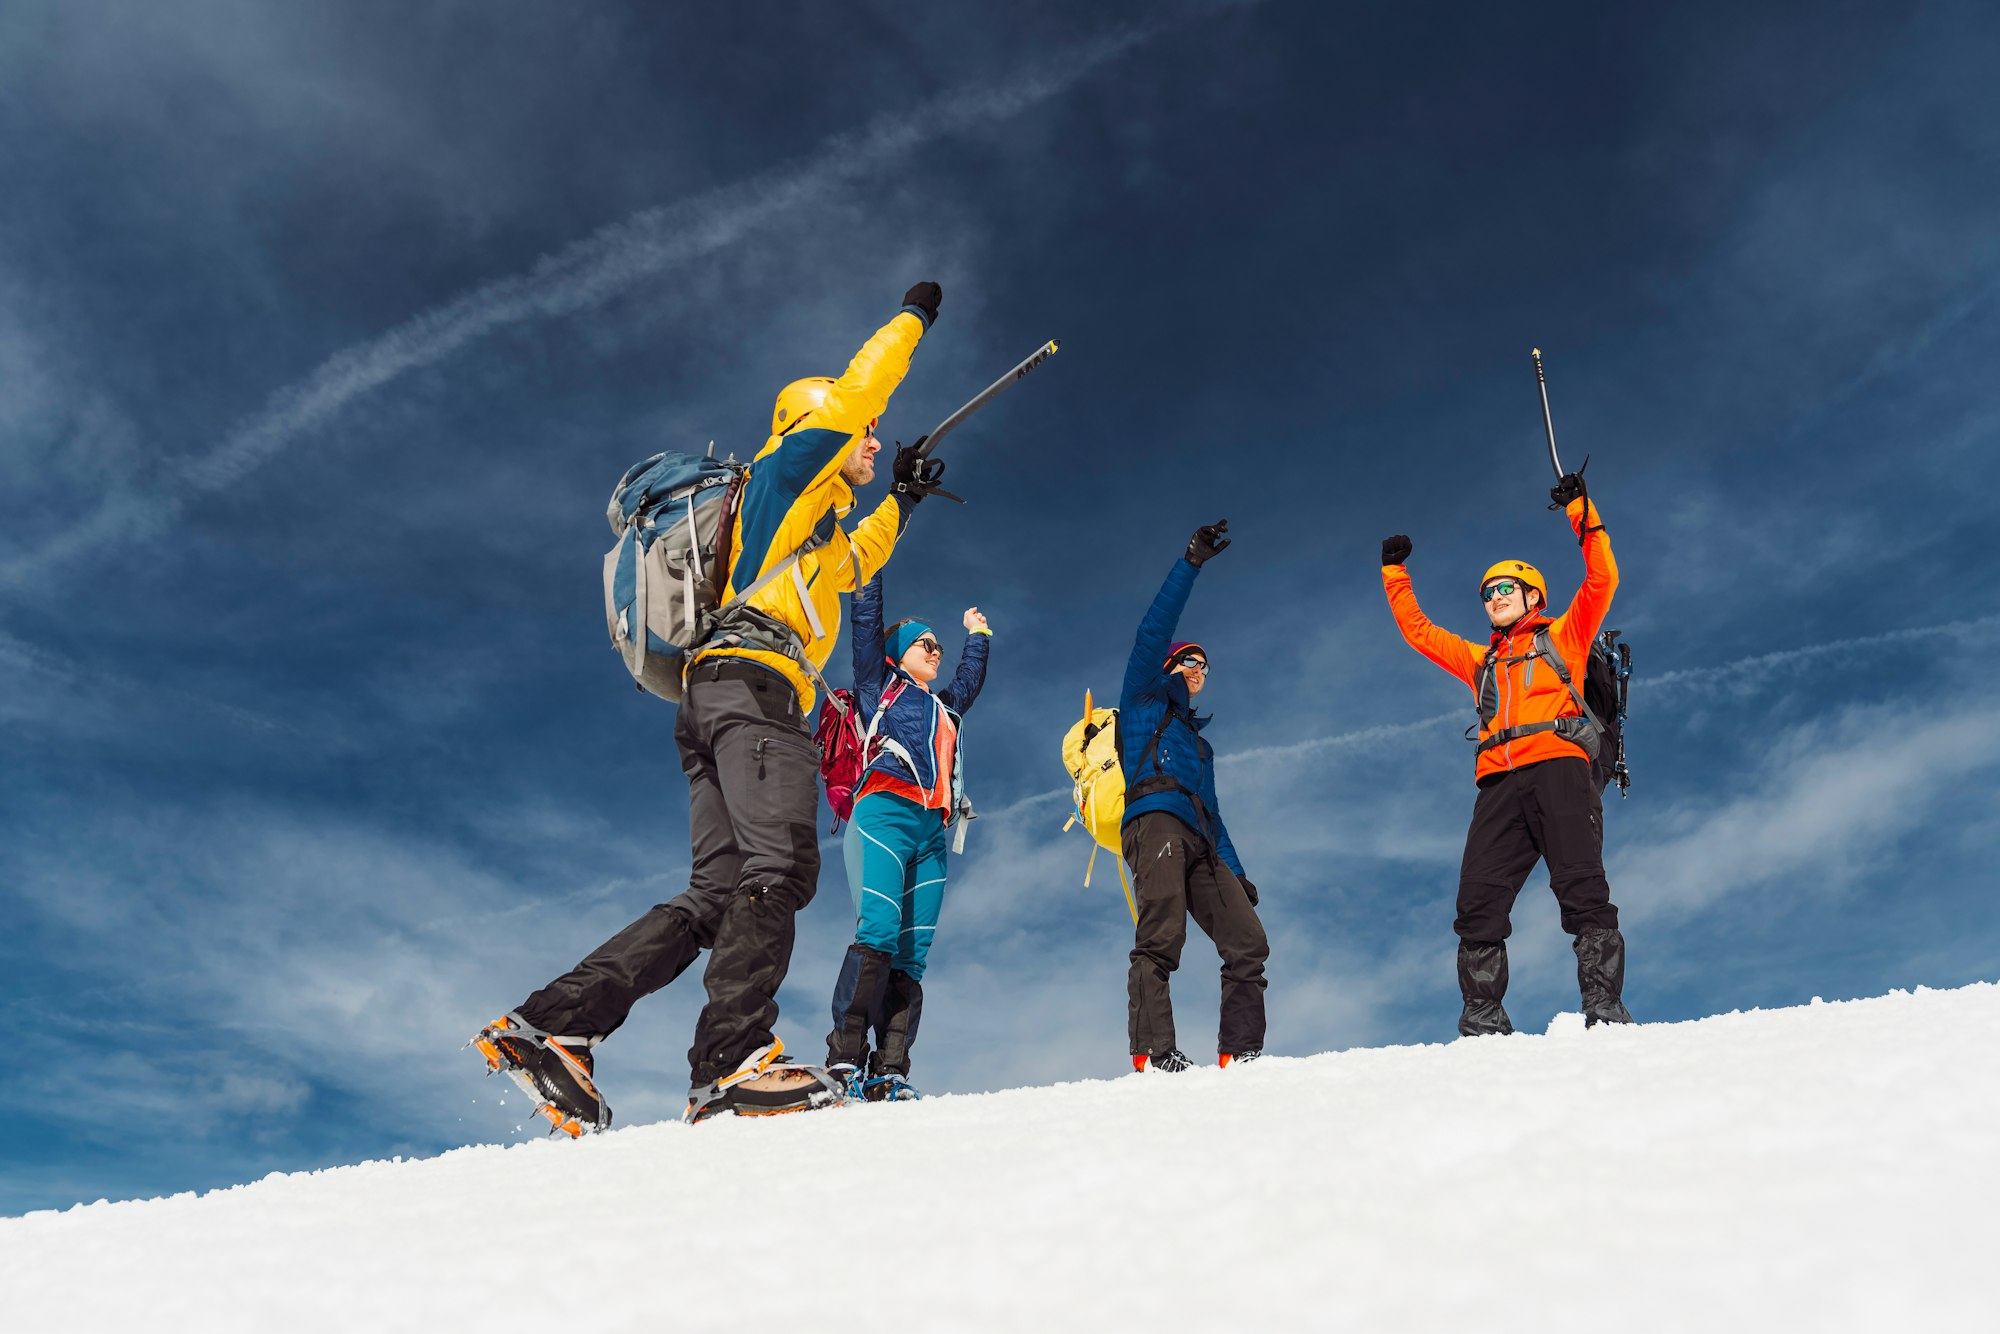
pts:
[1829, 1167]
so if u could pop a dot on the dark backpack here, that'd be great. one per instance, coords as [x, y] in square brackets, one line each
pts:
[1606, 683]
[1600, 731]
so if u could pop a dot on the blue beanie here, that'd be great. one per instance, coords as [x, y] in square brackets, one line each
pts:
[907, 634]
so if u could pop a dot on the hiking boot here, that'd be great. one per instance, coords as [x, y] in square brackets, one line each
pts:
[555, 1071]
[853, 1078]
[890, 1087]
[1172, 1061]
[765, 1084]
[1480, 1018]
[1482, 981]
[1600, 975]
[1224, 1058]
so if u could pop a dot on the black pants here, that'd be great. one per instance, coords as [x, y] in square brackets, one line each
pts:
[1176, 874]
[752, 810]
[1550, 812]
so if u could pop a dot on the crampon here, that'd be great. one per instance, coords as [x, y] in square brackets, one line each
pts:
[555, 1072]
[766, 1084]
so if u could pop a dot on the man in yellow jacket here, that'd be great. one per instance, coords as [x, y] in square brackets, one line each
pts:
[749, 757]
[1538, 800]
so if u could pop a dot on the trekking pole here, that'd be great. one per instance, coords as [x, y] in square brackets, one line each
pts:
[1548, 421]
[925, 444]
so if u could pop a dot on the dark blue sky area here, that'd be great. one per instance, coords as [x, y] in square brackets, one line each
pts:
[325, 331]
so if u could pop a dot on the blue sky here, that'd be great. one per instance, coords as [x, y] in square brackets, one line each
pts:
[324, 332]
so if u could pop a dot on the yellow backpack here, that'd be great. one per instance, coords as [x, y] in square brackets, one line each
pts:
[1090, 754]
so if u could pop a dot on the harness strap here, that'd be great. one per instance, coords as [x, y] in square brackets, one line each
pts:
[1162, 781]
[1586, 731]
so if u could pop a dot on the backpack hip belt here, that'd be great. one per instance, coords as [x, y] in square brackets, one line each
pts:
[1583, 729]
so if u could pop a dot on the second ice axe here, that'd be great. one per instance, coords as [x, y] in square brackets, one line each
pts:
[929, 473]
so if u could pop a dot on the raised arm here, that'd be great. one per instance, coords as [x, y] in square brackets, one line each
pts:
[971, 675]
[1575, 628]
[1145, 670]
[870, 667]
[792, 478]
[1460, 657]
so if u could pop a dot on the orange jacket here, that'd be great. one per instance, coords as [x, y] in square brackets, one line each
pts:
[1529, 692]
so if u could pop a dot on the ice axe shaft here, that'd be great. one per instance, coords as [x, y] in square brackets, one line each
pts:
[1548, 422]
[983, 397]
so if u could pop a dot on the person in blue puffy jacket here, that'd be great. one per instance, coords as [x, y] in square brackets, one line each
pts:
[1173, 838]
[911, 793]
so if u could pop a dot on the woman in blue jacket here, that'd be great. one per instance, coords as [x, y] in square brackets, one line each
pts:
[911, 792]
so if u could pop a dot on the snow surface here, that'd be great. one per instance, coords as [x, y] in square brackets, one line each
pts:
[1831, 1167]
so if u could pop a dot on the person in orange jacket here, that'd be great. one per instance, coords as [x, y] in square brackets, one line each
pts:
[1537, 798]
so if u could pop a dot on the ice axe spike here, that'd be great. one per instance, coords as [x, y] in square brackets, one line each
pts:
[992, 391]
[1548, 422]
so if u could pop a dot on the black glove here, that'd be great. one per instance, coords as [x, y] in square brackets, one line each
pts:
[925, 297]
[1248, 888]
[1396, 550]
[1208, 540]
[1568, 489]
[917, 476]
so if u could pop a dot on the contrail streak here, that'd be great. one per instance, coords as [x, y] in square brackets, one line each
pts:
[585, 274]
[1747, 668]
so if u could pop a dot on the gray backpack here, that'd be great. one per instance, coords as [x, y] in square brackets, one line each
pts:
[672, 515]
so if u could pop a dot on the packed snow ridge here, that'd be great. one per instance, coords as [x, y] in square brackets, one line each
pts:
[1829, 1167]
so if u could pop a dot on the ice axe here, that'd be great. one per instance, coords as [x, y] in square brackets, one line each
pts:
[1548, 422]
[929, 441]
[1555, 460]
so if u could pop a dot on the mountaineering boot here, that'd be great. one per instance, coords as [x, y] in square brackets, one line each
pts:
[853, 1079]
[1482, 981]
[888, 1080]
[902, 1013]
[554, 1071]
[1223, 1058]
[891, 1087]
[765, 1084]
[858, 998]
[1600, 975]
[1171, 1061]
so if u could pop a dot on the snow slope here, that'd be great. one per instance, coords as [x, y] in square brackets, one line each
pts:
[1830, 1167]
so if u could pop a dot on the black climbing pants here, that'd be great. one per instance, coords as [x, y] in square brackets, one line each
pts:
[753, 793]
[1552, 812]
[752, 806]
[1175, 875]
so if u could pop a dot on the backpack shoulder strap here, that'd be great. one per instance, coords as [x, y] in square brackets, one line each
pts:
[1545, 645]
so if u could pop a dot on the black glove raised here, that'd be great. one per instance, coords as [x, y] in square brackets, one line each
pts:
[925, 297]
[1208, 540]
[1568, 489]
[1248, 888]
[1396, 550]
[917, 476]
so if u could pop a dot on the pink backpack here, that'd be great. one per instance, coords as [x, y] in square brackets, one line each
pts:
[843, 748]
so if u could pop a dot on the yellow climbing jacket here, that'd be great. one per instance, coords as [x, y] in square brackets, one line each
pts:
[1090, 754]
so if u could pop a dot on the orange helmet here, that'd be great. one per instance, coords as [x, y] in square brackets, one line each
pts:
[1516, 569]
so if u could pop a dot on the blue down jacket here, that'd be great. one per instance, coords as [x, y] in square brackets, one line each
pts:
[920, 727]
[1153, 700]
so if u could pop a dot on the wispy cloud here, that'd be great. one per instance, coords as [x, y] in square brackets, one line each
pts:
[588, 272]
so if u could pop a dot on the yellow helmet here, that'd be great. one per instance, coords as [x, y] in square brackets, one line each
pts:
[1516, 569]
[796, 399]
